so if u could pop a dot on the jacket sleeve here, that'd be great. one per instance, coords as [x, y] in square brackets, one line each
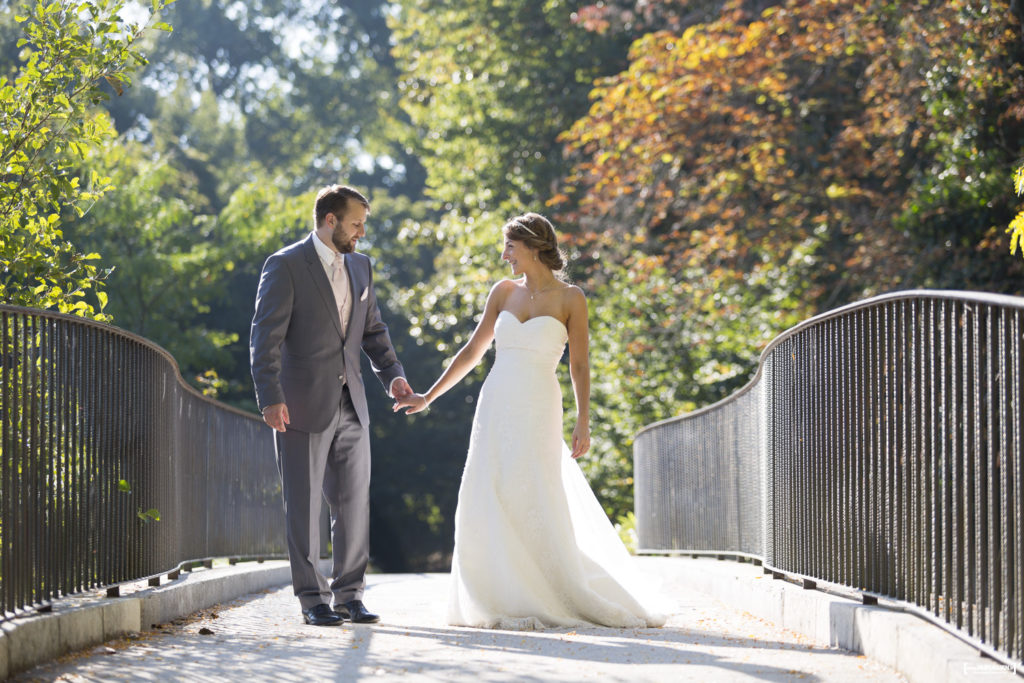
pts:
[274, 300]
[376, 343]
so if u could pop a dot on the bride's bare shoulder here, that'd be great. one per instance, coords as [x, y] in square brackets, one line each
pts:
[506, 285]
[500, 292]
[573, 295]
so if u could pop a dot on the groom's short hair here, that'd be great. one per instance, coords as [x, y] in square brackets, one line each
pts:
[333, 199]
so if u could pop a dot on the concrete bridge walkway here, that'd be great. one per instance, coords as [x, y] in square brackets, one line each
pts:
[261, 637]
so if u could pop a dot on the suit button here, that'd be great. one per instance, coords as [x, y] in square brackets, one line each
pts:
[341, 377]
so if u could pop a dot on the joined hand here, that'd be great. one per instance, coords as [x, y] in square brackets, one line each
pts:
[413, 403]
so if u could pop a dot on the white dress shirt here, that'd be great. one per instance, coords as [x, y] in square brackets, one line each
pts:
[334, 266]
[340, 285]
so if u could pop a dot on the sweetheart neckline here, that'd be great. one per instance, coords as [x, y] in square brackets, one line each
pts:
[536, 317]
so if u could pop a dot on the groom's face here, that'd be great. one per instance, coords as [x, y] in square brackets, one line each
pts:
[348, 226]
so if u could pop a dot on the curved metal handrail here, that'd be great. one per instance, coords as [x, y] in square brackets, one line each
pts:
[878, 449]
[903, 295]
[99, 437]
[115, 331]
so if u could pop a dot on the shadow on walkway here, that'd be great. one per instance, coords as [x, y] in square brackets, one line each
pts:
[261, 637]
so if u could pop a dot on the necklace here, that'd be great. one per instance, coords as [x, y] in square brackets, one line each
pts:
[545, 289]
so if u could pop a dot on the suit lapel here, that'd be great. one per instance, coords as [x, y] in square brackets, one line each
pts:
[323, 285]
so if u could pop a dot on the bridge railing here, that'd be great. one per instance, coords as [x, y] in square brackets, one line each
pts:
[878, 450]
[112, 469]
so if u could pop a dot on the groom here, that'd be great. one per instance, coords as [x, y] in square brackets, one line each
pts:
[315, 310]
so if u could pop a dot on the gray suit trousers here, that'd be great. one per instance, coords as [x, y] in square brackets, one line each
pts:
[336, 461]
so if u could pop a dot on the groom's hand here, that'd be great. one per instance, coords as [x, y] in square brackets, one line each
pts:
[400, 389]
[276, 416]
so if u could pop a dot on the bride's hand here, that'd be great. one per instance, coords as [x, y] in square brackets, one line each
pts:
[413, 403]
[580, 440]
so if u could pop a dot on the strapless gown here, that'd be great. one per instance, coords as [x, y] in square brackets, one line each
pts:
[533, 547]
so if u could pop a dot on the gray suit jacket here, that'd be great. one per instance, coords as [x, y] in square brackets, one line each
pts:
[298, 352]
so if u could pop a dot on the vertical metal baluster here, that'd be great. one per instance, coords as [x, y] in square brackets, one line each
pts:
[855, 443]
[58, 346]
[881, 479]
[71, 549]
[972, 462]
[59, 494]
[943, 498]
[930, 452]
[979, 596]
[771, 463]
[110, 495]
[962, 528]
[883, 398]
[26, 481]
[956, 429]
[85, 536]
[799, 459]
[34, 457]
[901, 456]
[136, 460]
[21, 553]
[777, 492]
[891, 520]
[943, 505]
[876, 477]
[898, 454]
[50, 456]
[882, 488]
[870, 372]
[809, 463]
[830, 479]
[918, 421]
[109, 555]
[839, 413]
[1001, 543]
[990, 554]
[792, 445]
[817, 467]
[846, 473]
[8, 601]
[1015, 492]
[804, 493]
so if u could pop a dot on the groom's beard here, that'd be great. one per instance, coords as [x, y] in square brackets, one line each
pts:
[341, 245]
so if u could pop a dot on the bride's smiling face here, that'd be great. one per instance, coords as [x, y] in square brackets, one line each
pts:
[516, 254]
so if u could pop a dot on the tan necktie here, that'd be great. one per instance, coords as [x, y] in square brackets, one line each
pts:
[339, 283]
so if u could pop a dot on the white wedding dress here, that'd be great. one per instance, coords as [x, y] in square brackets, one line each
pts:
[533, 547]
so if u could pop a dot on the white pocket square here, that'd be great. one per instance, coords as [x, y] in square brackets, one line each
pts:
[366, 292]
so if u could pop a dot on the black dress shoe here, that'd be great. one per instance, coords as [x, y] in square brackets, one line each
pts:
[322, 615]
[356, 612]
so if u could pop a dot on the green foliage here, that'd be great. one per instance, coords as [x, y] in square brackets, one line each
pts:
[150, 515]
[147, 516]
[1016, 228]
[175, 261]
[49, 126]
[489, 87]
[731, 182]
[712, 169]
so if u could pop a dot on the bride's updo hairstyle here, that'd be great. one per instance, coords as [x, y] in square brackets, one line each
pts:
[536, 232]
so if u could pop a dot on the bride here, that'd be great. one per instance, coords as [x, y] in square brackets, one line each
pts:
[533, 548]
